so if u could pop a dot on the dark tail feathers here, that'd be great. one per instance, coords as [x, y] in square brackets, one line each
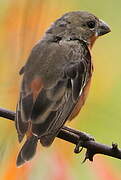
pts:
[27, 151]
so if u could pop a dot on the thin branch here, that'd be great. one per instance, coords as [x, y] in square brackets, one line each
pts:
[80, 139]
[7, 114]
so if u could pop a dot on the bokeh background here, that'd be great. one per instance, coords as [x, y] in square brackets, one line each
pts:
[22, 23]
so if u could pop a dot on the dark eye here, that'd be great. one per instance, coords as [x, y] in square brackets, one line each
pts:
[91, 24]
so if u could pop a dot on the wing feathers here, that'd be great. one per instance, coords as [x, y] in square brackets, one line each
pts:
[26, 106]
[47, 101]
[41, 108]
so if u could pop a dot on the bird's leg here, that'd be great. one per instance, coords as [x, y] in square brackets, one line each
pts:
[84, 137]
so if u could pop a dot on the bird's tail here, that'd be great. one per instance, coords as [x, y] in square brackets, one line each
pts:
[27, 151]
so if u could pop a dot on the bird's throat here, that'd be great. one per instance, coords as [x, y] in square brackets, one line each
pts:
[92, 41]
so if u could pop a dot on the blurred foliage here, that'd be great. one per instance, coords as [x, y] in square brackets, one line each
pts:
[22, 23]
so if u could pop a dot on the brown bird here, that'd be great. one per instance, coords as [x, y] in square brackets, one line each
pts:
[56, 79]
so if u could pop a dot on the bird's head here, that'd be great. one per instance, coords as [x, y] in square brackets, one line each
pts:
[79, 25]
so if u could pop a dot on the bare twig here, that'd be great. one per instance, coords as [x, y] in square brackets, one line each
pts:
[80, 139]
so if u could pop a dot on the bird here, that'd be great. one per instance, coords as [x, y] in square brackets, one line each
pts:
[56, 79]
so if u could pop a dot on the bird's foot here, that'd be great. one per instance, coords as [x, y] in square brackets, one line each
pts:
[82, 141]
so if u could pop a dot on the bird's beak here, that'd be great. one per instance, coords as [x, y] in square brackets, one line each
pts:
[103, 28]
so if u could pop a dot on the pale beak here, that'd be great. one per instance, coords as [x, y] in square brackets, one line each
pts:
[103, 28]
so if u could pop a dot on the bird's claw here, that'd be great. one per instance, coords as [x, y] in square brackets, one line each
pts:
[81, 142]
[77, 148]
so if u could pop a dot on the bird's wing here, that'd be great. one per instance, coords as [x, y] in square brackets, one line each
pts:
[43, 111]
[58, 117]
[28, 95]
[29, 91]
[54, 106]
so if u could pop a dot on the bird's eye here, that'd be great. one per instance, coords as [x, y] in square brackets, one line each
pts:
[91, 24]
